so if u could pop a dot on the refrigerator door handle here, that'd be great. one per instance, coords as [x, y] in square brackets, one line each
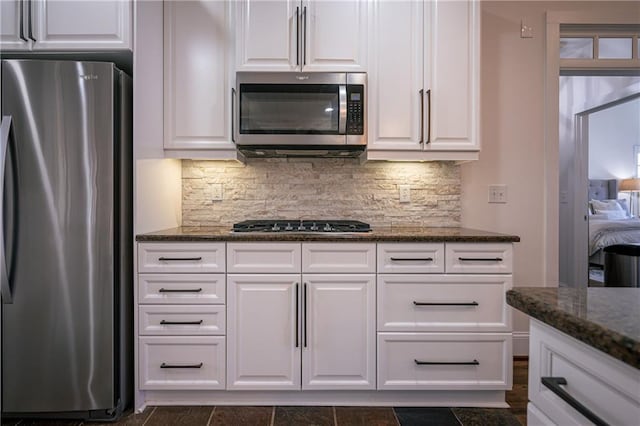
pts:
[6, 135]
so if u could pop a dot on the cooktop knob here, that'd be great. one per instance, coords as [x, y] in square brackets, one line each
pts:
[327, 228]
[314, 227]
[275, 227]
[301, 227]
[288, 227]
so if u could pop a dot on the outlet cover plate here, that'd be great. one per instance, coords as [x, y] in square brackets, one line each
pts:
[498, 193]
[405, 193]
[216, 192]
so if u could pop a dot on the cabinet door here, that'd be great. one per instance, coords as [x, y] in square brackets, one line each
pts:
[267, 35]
[263, 338]
[335, 35]
[339, 332]
[81, 25]
[197, 85]
[395, 75]
[14, 25]
[452, 44]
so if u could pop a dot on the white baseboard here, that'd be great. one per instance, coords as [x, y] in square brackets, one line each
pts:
[520, 343]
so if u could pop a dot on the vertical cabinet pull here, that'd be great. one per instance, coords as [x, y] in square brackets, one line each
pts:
[297, 314]
[421, 115]
[297, 35]
[22, 36]
[428, 116]
[304, 302]
[233, 114]
[31, 21]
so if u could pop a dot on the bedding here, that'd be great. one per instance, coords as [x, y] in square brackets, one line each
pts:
[605, 232]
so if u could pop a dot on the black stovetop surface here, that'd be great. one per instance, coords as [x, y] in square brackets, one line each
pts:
[283, 225]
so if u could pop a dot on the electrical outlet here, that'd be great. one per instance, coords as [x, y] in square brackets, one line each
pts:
[405, 193]
[497, 193]
[216, 191]
[526, 30]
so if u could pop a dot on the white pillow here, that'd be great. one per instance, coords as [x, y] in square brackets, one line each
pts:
[606, 205]
[612, 214]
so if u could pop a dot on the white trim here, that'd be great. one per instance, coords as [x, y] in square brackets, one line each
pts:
[488, 399]
[520, 343]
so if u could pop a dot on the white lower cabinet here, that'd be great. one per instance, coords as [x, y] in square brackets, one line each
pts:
[438, 328]
[302, 331]
[599, 384]
[181, 316]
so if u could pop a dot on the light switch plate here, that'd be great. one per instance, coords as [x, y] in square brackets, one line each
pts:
[498, 193]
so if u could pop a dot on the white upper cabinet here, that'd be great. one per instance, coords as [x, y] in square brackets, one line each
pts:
[301, 35]
[424, 80]
[197, 80]
[57, 25]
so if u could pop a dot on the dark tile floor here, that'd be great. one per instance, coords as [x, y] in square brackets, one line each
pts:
[327, 416]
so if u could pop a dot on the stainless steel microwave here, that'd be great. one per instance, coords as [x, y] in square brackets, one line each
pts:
[300, 114]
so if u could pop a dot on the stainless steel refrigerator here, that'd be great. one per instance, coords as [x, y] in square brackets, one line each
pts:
[66, 239]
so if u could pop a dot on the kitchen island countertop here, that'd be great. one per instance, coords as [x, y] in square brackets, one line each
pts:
[607, 319]
[378, 234]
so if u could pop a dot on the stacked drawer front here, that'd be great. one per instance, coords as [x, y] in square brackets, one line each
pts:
[181, 315]
[442, 319]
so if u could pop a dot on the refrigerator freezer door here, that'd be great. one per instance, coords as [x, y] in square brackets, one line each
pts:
[57, 349]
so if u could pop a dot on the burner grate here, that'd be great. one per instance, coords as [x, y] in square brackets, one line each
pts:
[301, 226]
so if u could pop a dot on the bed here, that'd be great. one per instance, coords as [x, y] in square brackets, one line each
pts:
[604, 232]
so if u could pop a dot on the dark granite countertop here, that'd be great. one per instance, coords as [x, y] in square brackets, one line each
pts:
[607, 319]
[390, 234]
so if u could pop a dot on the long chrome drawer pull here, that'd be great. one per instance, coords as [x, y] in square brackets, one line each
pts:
[176, 259]
[474, 362]
[474, 303]
[553, 384]
[163, 365]
[480, 259]
[180, 290]
[163, 322]
[412, 259]
[297, 315]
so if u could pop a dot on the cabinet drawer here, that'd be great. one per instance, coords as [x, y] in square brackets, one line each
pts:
[181, 288]
[443, 303]
[181, 320]
[606, 386]
[484, 361]
[338, 258]
[182, 363]
[277, 258]
[181, 257]
[411, 258]
[480, 258]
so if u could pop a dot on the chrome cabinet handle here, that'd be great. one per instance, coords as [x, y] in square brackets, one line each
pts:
[474, 303]
[480, 259]
[553, 384]
[474, 362]
[421, 115]
[428, 116]
[411, 259]
[178, 259]
[163, 322]
[180, 290]
[6, 136]
[163, 365]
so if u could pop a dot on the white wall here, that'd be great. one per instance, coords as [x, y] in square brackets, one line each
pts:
[513, 132]
[613, 132]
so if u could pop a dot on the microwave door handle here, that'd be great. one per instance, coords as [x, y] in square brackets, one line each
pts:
[342, 120]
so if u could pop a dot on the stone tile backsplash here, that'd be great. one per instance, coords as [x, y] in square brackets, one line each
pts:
[321, 189]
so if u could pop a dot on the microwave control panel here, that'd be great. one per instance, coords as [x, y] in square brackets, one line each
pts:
[355, 109]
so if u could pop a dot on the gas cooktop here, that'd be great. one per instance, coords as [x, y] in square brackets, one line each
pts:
[301, 226]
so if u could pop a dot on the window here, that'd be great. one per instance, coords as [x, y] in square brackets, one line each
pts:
[636, 156]
[589, 46]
